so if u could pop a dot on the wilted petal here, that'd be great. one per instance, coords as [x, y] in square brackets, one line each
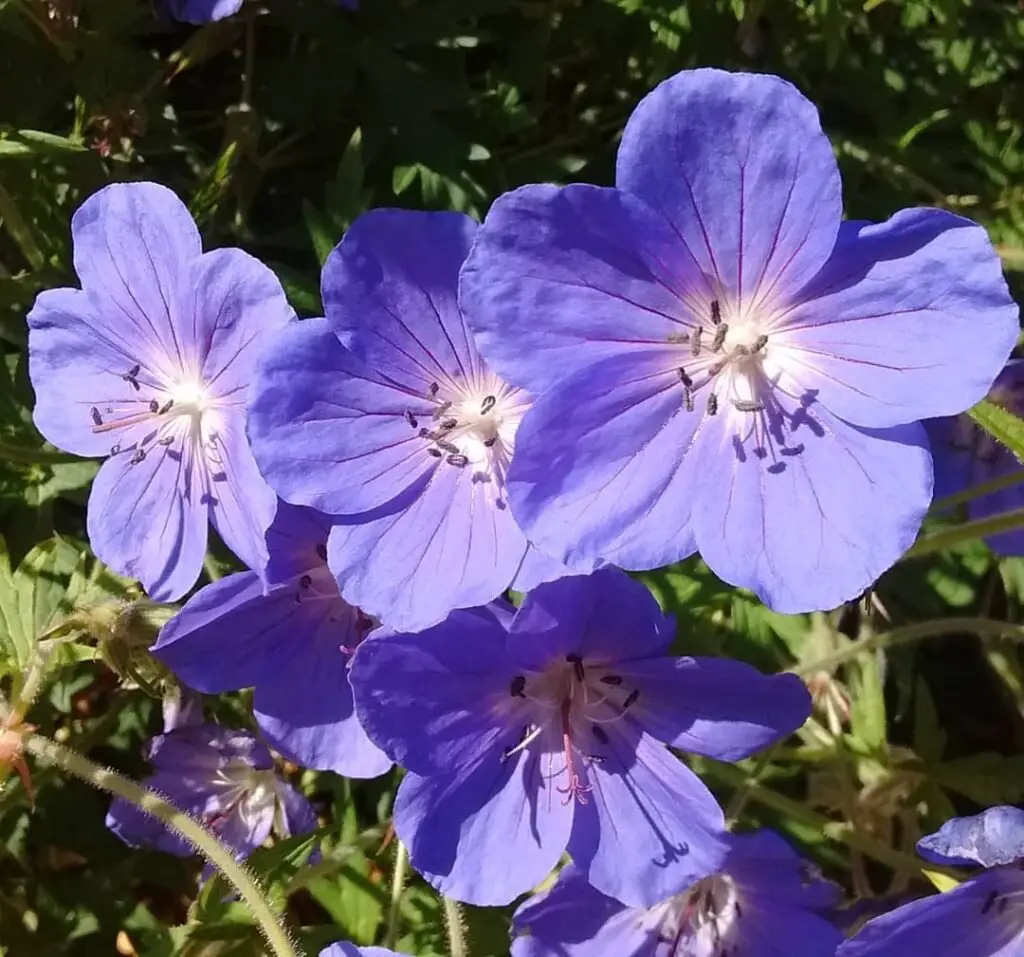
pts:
[994, 837]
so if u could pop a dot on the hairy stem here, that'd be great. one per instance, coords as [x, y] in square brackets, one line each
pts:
[218, 854]
[456, 926]
[397, 889]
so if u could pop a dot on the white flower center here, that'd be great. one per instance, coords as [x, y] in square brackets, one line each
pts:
[702, 917]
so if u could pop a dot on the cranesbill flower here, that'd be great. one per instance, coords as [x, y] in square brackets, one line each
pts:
[530, 735]
[721, 363]
[148, 363]
[202, 11]
[344, 949]
[407, 437]
[223, 778]
[292, 643]
[983, 916]
[765, 902]
[966, 456]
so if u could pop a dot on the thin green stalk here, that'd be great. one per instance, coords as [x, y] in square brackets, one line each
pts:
[741, 795]
[456, 926]
[976, 491]
[982, 627]
[966, 532]
[397, 889]
[218, 854]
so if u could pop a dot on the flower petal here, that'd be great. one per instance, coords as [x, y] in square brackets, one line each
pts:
[994, 837]
[650, 827]
[720, 708]
[780, 930]
[294, 540]
[810, 512]
[390, 292]
[910, 319]
[739, 165]
[326, 431]
[593, 262]
[147, 520]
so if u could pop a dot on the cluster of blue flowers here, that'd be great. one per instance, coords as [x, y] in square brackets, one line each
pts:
[705, 358]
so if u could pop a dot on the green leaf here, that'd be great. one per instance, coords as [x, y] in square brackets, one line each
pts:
[15, 644]
[1005, 427]
[985, 778]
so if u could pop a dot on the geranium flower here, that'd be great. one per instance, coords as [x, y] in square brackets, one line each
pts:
[386, 417]
[291, 643]
[765, 902]
[721, 363]
[149, 363]
[531, 735]
[983, 916]
[966, 456]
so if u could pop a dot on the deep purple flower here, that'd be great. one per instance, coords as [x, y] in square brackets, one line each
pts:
[344, 949]
[762, 903]
[408, 436]
[525, 737]
[223, 778]
[292, 644]
[149, 363]
[721, 364]
[965, 456]
[983, 917]
[202, 11]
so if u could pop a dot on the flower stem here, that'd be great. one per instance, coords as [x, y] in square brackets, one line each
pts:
[397, 889]
[456, 926]
[218, 854]
[966, 532]
[976, 491]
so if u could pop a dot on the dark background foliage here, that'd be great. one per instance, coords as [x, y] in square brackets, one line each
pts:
[278, 126]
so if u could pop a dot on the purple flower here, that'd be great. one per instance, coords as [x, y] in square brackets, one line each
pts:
[408, 437]
[149, 363]
[202, 11]
[292, 644]
[721, 364]
[531, 735]
[965, 456]
[223, 778]
[762, 903]
[984, 916]
[345, 949]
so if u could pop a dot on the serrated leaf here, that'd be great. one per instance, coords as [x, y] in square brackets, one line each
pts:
[1005, 427]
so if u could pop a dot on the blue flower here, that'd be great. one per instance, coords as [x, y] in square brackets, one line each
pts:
[764, 902]
[983, 917]
[385, 417]
[720, 362]
[149, 363]
[202, 11]
[291, 642]
[345, 949]
[530, 734]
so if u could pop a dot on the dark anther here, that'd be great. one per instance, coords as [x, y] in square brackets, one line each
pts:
[167, 406]
[687, 399]
[712, 404]
[678, 337]
[488, 404]
[154, 406]
[411, 419]
[437, 453]
[695, 342]
[134, 382]
[134, 371]
[441, 409]
[611, 679]
[599, 733]
[115, 449]
[631, 699]
[449, 424]
[745, 405]
[305, 581]
[139, 455]
[426, 434]
[577, 666]
[716, 311]
[717, 367]
[321, 551]
[166, 440]
[458, 460]
[989, 902]
[719, 340]
[759, 343]
[739, 910]
[518, 687]
[433, 388]
[488, 443]
[447, 446]
[684, 378]
[97, 419]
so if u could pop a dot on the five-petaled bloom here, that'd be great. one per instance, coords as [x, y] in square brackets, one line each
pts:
[149, 363]
[531, 735]
[984, 916]
[292, 644]
[966, 456]
[765, 902]
[385, 417]
[222, 777]
[720, 363]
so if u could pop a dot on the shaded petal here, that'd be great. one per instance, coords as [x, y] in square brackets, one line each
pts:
[596, 475]
[326, 431]
[910, 319]
[133, 245]
[739, 165]
[390, 291]
[767, 869]
[944, 925]
[430, 700]
[298, 814]
[139, 829]
[996, 836]
[202, 11]
[650, 828]
[450, 547]
[146, 521]
[237, 304]
[293, 542]
[720, 708]
[811, 512]
[604, 270]
[953, 466]
[486, 836]
[776, 930]
[536, 569]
